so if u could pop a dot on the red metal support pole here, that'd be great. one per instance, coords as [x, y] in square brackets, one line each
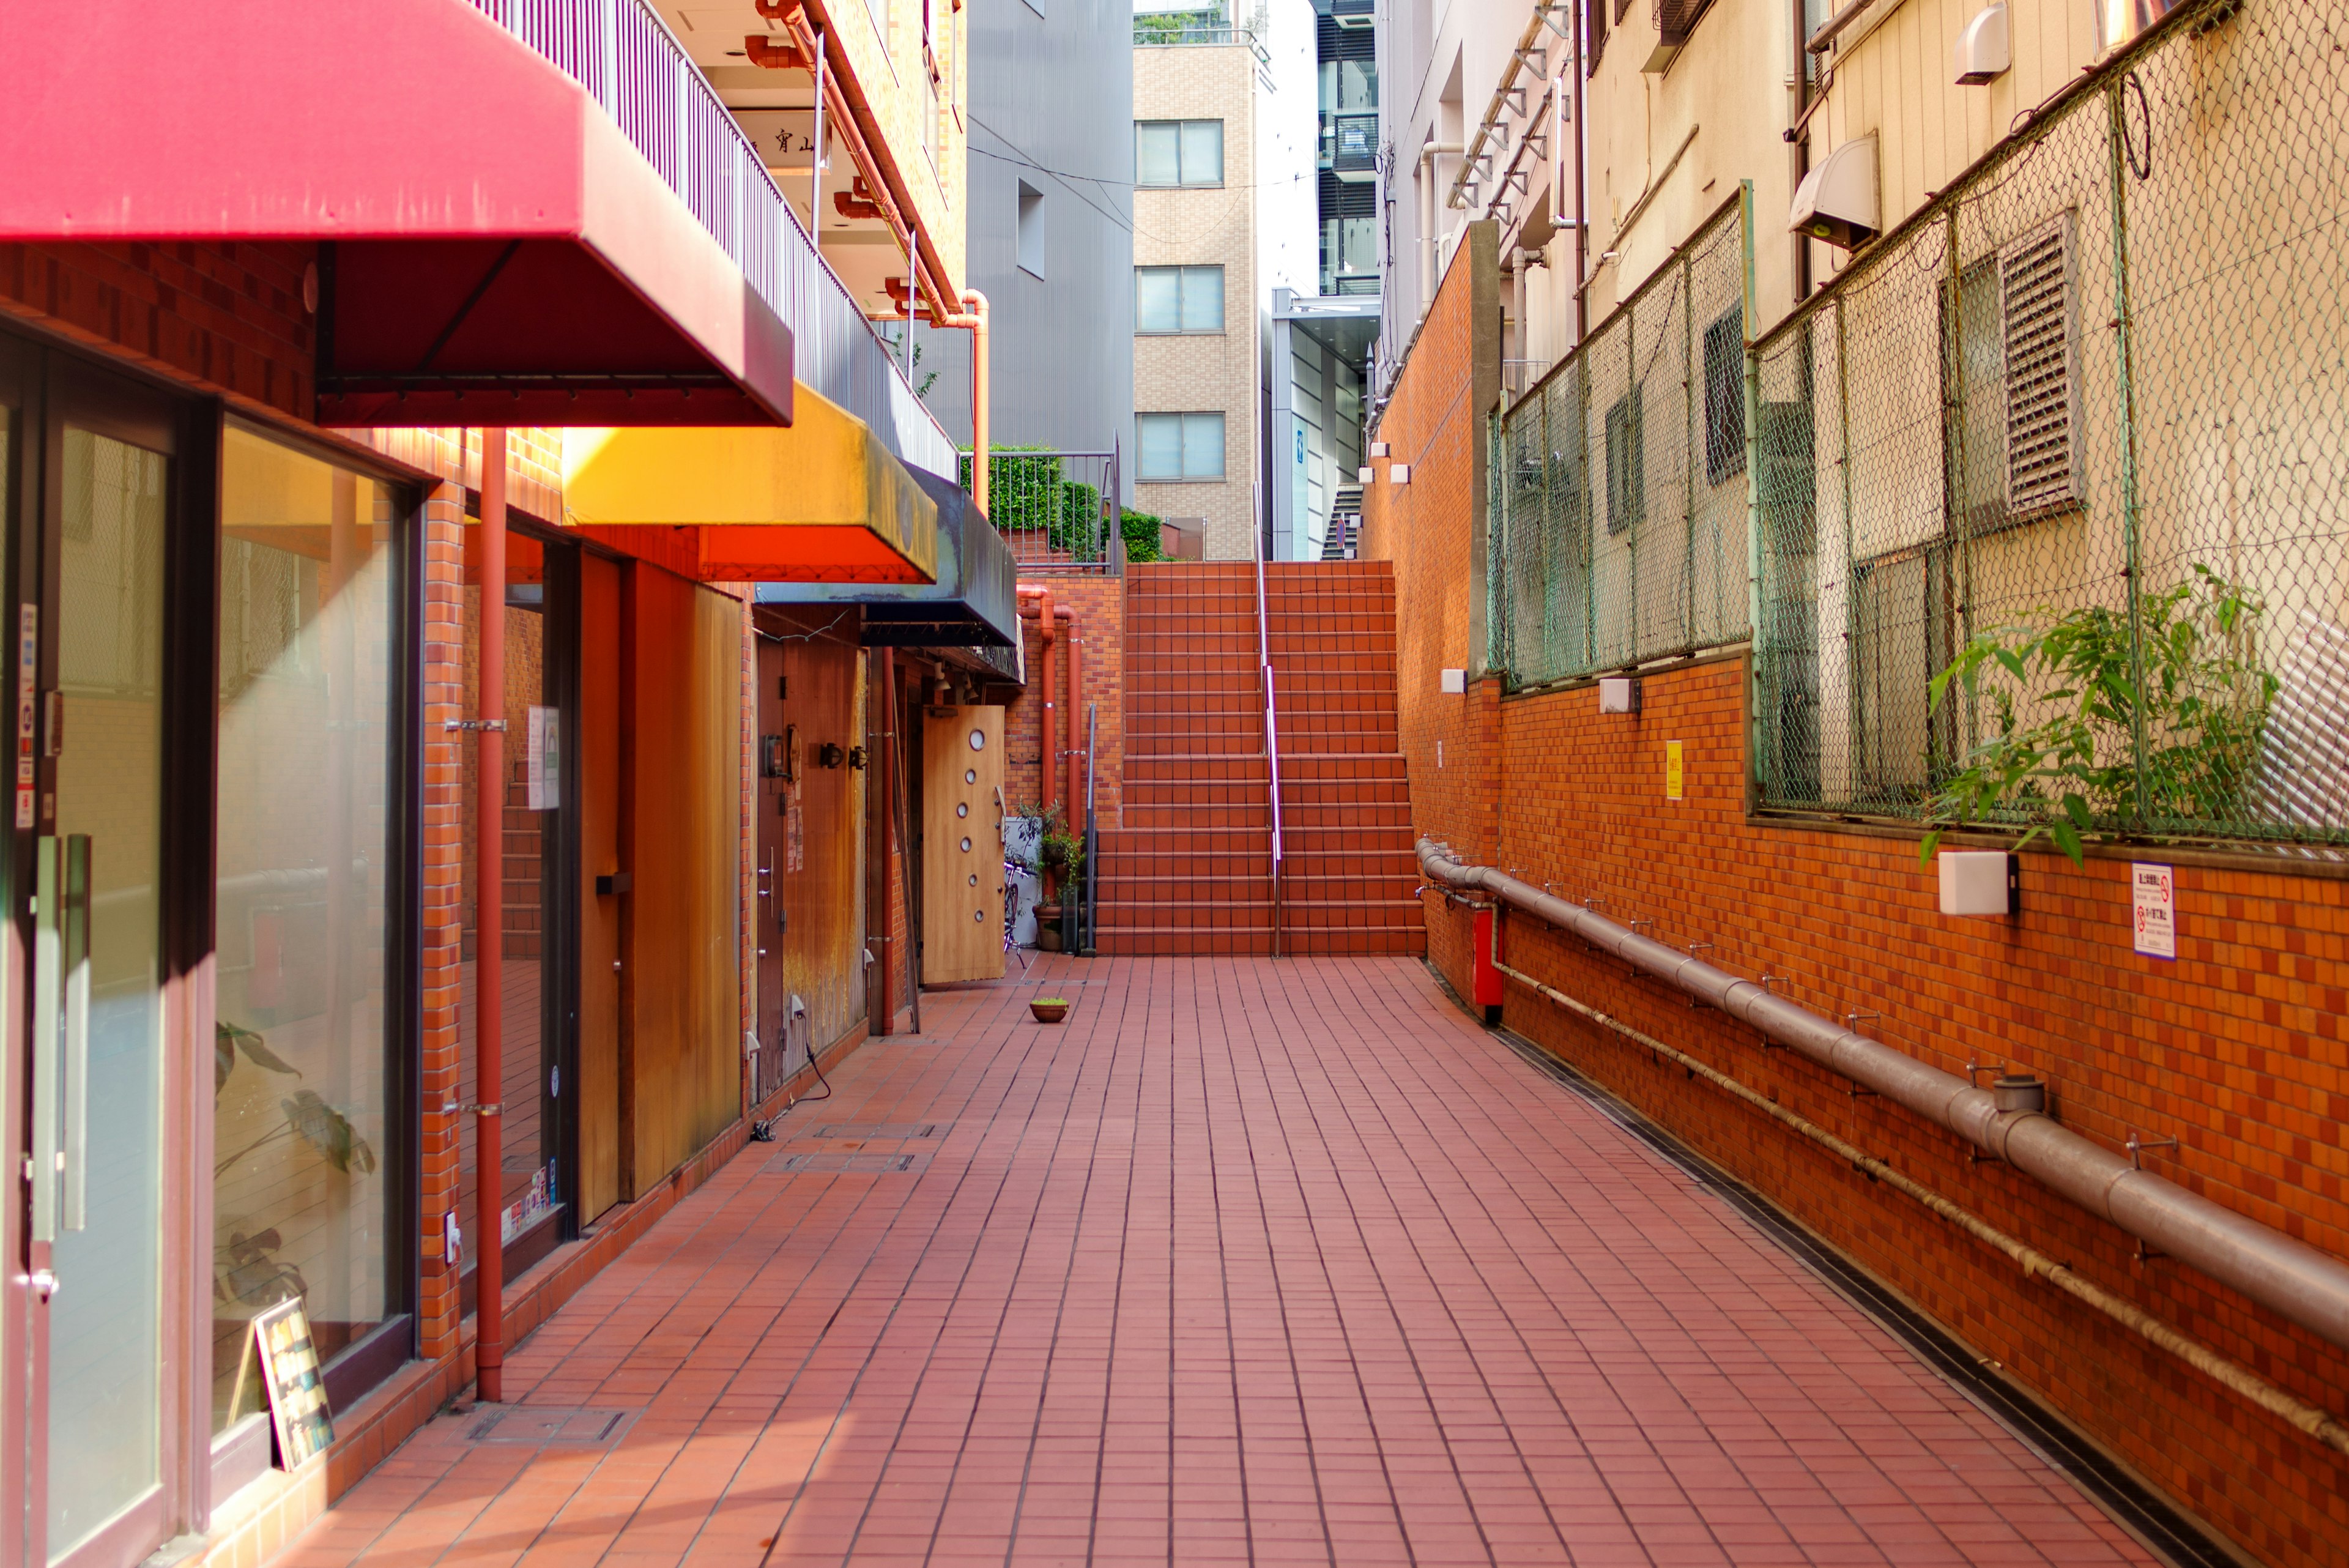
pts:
[489, 934]
[881, 718]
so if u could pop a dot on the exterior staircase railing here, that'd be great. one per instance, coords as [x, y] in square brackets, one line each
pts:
[1271, 733]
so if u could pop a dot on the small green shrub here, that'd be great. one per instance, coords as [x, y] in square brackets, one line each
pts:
[2201, 709]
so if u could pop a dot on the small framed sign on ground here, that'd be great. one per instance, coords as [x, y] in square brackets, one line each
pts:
[298, 1394]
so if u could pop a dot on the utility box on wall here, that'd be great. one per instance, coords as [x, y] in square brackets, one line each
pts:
[1981, 882]
[1619, 694]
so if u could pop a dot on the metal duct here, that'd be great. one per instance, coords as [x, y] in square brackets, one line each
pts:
[2289, 1277]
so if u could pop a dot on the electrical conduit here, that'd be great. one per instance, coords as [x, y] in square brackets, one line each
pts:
[2289, 1277]
[2033, 1262]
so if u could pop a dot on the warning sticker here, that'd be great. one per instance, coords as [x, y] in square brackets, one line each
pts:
[2154, 901]
[1675, 771]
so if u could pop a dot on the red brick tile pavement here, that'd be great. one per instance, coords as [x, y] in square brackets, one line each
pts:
[1251, 1260]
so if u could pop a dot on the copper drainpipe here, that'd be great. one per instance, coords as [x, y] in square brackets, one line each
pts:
[975, 320]
[881, 702]
[489, 928]
[1048, 730]
[1069, 720]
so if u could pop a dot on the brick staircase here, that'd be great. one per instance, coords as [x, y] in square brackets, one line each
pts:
[1189, 870]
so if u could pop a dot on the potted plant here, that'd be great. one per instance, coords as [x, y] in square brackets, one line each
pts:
[1049, 1009]
[1059, 859]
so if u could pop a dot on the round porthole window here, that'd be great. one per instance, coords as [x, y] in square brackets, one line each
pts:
[970, 775]
[962, 808]
[965, 846]
[974, 878]
[978, 740]
[979, 914]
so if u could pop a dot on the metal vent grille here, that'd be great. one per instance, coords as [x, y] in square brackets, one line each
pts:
[2043, 408]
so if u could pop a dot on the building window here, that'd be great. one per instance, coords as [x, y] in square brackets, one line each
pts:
[1032, 230]
[2010, 359]
[1724, 397]
[305, 1116]
[1178, 152]
[1178, 299]
[1180, 446]
[1627, 475]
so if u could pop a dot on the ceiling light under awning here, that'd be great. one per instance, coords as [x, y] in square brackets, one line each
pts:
[823, 501]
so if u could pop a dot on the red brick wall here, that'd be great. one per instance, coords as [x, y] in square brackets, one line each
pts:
[1428, 528]
[1099, 604]
[229, 315]
[2237, 1049]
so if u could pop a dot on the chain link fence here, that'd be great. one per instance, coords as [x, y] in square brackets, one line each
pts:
[2051, 482]
[1620, 499]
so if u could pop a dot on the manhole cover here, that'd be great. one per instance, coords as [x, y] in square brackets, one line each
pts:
[845, 1162]
[572, 1426]
[877, 1132]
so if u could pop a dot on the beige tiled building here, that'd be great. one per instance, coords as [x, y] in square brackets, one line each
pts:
[1195, 353]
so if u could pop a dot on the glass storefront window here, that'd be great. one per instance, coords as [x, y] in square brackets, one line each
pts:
[302, 1090]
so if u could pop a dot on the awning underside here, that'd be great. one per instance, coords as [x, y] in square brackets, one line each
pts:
[824, 502]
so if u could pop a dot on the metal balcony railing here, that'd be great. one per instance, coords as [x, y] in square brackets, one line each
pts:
[626, 57]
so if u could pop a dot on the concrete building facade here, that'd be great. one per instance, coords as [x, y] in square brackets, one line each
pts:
[1050, 228]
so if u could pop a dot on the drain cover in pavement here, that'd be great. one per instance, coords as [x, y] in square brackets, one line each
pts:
[878, 1131]
[569, 1425]
[845, 1161]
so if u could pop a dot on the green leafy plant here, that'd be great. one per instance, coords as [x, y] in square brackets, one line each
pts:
[1141, 534]
[2201, 707]
[1027, 492]
[1057, 850]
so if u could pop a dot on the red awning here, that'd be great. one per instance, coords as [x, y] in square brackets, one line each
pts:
[491, 246]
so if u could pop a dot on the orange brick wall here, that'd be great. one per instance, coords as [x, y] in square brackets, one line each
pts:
[1099, 604]
[2237, 1049]
[228, 316]
[1431, 529]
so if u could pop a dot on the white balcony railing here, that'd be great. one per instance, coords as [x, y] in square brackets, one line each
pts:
[626, 57]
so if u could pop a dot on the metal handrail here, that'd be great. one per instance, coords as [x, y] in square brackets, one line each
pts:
[626, 57]
[1271, 732]
[1088, 913]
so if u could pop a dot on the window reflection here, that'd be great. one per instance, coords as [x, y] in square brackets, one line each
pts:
[302, 1197]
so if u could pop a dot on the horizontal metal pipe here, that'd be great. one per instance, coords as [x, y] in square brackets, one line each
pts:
[2289, 1277]
[2241, 1379]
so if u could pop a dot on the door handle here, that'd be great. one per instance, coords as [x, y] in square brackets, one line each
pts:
[48, 1026]
[75, 915]
[61, 1036]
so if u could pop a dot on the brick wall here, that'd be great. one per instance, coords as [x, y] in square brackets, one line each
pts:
[1100, 603]
[2237, 1049]
[226, 316]
[1431, 528]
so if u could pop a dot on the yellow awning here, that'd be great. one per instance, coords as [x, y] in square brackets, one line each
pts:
[823, 501]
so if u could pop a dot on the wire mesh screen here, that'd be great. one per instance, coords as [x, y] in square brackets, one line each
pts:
[2050, 483]
[1620, 523]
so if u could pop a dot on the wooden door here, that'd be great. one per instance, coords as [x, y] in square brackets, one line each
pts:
[962, 845]
[601, 886]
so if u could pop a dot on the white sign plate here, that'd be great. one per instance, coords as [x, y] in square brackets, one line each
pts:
[2154, 901]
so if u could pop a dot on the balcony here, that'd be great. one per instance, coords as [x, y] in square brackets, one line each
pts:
[1355, 151]
[626, 58]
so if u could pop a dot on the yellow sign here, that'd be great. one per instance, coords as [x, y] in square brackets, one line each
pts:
[1674, 770]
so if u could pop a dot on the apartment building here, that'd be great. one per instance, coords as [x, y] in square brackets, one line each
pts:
[1197, 103]
[1927, 365]
[433, 856]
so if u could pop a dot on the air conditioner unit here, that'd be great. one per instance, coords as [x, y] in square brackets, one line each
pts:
[1836, 201]
[1985, 48]
[2120, 22]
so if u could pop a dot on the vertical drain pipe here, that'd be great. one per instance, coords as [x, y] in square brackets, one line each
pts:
[489, 934]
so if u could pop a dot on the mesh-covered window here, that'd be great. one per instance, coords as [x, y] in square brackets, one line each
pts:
[1724, 397]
